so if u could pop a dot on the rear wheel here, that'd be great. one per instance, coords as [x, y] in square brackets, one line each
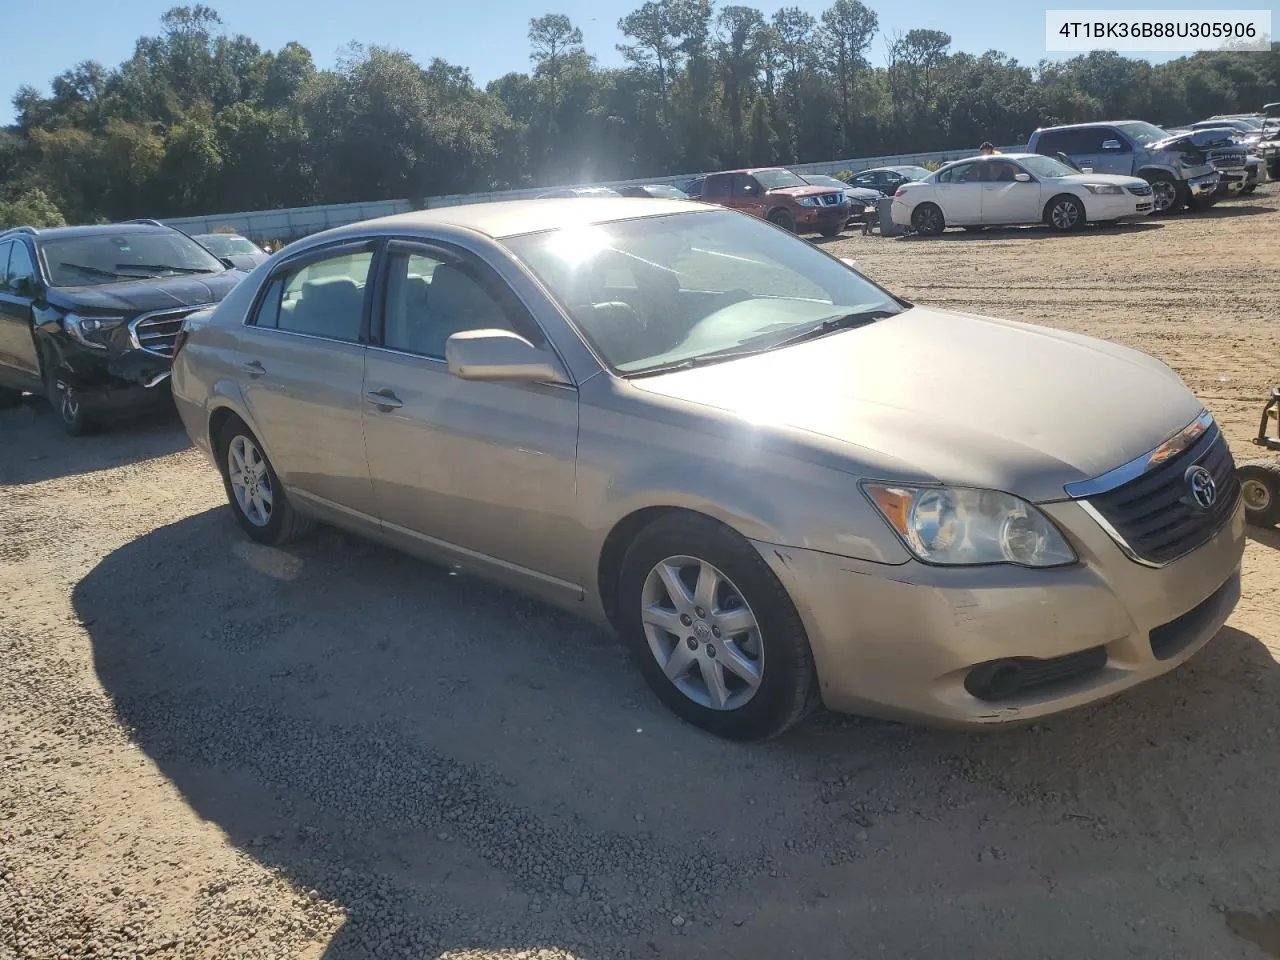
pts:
[927, 220]
[1260, 491]
[716, 635]
[257, 497]
[1064, 213]
[783, 219]
[1167, 195]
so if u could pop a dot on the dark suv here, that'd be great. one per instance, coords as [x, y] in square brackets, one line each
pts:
[89, 315]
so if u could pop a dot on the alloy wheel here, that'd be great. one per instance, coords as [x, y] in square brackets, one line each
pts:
[68, 401]
[1164, 195]
[702, 633]
[250, 482]
[1064, 215]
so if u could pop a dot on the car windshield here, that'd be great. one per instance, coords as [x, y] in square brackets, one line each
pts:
[1047, 168]
[825, 182]
[774, 179]
[110, 257]
[228, 244]
[1143, 132]
[660, 292]
[661, 190]
[915, 173]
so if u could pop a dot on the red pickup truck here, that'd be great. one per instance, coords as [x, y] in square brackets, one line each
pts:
[780, 197]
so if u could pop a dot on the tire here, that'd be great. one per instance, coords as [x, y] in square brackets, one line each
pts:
[1064, 213]
[927, 220]
[9, 398]
[1167, 194]
[780, 218]
[270, 520]
[1260, 490]
[68, 406]
[774, 652]
[1248, 190]
[830, 232]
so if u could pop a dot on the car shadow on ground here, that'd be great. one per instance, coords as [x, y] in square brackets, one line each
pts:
[1228, 208]
[1032, 232]
[34, 448]
[458, 767]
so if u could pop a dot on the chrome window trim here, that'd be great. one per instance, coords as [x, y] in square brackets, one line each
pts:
[1181, 440]
[442, 362]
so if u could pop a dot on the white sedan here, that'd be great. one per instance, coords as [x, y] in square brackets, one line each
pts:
[1017, 188]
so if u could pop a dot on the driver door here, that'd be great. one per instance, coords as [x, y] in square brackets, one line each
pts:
[1007, 200]
[958, 191]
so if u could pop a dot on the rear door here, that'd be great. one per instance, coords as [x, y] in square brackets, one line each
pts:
[18, 365]
[958, 191]
[301, 370]
[484, 470]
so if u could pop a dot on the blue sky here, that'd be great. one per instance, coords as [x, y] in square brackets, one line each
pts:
[487, 36]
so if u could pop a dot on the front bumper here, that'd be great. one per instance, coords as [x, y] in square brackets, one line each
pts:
[899, 641]
[818, 218]
[1125, 206]
[1204, 185]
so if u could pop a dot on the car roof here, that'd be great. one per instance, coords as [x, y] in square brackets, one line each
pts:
[511, 218]
[1084, 126]
[99, 229]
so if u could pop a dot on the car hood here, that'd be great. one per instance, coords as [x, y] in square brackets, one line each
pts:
[1118, 180]
[935, 396]
[1198, 139]
[807, 191]
[143, 295]
[863, 194]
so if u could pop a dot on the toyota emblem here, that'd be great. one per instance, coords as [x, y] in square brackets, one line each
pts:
[1203, 489]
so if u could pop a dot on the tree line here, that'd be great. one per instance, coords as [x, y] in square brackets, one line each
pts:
[199, 122]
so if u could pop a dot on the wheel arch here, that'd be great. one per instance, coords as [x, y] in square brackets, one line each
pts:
[1044, 212]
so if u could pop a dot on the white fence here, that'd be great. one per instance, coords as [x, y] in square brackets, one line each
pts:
[298, 221]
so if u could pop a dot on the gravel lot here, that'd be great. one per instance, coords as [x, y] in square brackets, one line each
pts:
[214, 749]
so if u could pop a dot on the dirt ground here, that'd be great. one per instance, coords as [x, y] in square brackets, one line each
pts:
[210, 749]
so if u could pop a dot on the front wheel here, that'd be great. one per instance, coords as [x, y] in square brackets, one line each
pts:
[1260, 491]
[716, 635]
[1065, 213]
[1166, 193]
[257, 497]
[780, 218]
[69, 406]
[927, 220]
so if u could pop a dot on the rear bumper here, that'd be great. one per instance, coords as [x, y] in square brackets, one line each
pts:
[901, 641]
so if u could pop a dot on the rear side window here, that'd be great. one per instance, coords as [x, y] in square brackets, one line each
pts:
[325, 298]
[716, 188]
[745, 186]
[4, 264]
[961, 173]
[1059, 141]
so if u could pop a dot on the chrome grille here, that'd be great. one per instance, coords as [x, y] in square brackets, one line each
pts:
[156, 331]
[1151, 515]
[1228, 159]
[1142, 191]
[830, 199]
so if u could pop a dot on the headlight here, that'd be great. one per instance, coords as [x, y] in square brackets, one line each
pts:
[960, 526]
[1103, 188]
[807, 201]
[93, 332]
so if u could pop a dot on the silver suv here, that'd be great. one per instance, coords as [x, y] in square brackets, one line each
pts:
[1180, 173]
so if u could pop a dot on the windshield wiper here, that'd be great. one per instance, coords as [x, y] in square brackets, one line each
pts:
[96, 271]
[844, 321]
[162, 266]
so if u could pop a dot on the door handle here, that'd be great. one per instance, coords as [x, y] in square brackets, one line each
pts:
[254, 368]
[384, 399]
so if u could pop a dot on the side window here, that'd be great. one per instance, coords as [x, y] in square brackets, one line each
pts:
[745, 187]
[1059, 141]
[20, 264]
[4, 265]
[961, 173]
[866, 180]
[1001, 171]
[716, 188]
[325, 298]
[1090, 140]
[429, 299]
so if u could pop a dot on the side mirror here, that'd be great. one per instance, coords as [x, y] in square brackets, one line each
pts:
[1022, 177]
[24, 287]
[851, 263]
[500, 355]
[1112, 145]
